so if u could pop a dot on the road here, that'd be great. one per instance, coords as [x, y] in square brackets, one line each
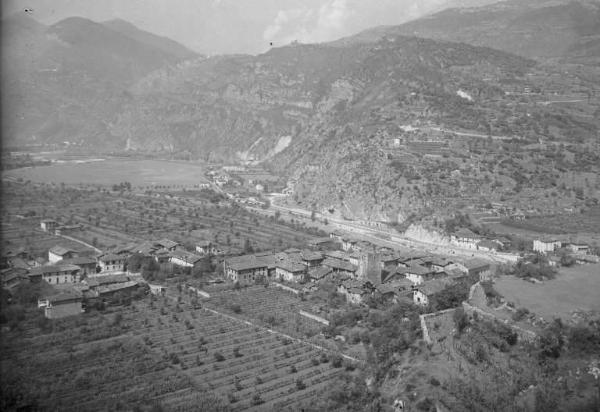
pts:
[561, 101]
[82, 243]
[481, 136]
[374, 235]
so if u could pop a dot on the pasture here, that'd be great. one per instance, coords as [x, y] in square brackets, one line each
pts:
[108, 172]
[574, 289]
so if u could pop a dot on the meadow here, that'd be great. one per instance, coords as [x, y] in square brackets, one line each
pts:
[576, 288]
[113, 171]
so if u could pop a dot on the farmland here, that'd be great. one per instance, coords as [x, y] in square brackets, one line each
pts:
[112, 171]
[112, 218]
[574, 289]
[270, 307]
[585, 222]
[158, 351]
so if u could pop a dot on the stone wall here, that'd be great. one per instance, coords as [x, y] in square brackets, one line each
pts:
[431, 317]
[476, 293]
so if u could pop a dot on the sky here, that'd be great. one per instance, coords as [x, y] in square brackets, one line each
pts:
[237, 26]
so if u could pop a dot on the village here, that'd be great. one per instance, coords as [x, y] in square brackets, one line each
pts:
[359, 269]
[198, 305]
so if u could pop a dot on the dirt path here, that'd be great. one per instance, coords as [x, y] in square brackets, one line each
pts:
[81, 242]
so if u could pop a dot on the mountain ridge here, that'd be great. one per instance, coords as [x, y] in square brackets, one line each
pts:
[539, 29]
[65, 82]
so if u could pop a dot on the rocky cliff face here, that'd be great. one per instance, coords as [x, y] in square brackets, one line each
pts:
[224, 106]
[326, 115]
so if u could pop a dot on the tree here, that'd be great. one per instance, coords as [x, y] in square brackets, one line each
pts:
[248, 247]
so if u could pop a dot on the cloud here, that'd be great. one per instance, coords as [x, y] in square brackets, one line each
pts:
[316, 24]
[327, 20]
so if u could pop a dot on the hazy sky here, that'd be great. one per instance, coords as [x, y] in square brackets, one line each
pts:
[236, 26]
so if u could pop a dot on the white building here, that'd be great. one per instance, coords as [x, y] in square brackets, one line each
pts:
[578, 248]
[48, 225]
[546, 246]
[56, 274]
[245, 269]
[112, 263]
[185, 259]
[58, 253]
[290, 271]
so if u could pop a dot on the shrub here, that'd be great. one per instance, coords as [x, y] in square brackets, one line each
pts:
[293, 369]
[433, 381]
[235, 308]
[481, 354]
[425, 404]
[256, 399]
[237, 384]
[174, 358]
[300, 385]
[461, 320]
[520, 314]
[236, 352]
[219, 357]
[336, 361]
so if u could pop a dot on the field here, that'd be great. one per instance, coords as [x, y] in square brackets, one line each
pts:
[28, 235]
[270, 307]
[114, 218]
[161, 352]
[574, 289]
[588, 222]
[108, 172]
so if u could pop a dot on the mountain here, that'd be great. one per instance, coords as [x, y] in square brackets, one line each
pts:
[328, 117]
[535, 28]
[378, 127]
[64, 82]
[157, 42]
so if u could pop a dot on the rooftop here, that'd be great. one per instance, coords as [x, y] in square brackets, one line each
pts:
[83, 260]
[94, 281]
[319, 241]
[42, 270]
[309, 255]
[186, 256]
[414, 270]
[59, 250]
[110, 256]
[65, 296]
[466, 233]
[291, 266]
[320, 272]
[339, 264]
[245, 262]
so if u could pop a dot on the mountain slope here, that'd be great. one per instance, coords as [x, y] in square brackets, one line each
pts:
[537, 28]
[65, 82]
[337, 109]
[158, 42]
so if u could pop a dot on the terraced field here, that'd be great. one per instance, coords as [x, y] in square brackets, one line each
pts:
[160, 351]
[270, 307]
